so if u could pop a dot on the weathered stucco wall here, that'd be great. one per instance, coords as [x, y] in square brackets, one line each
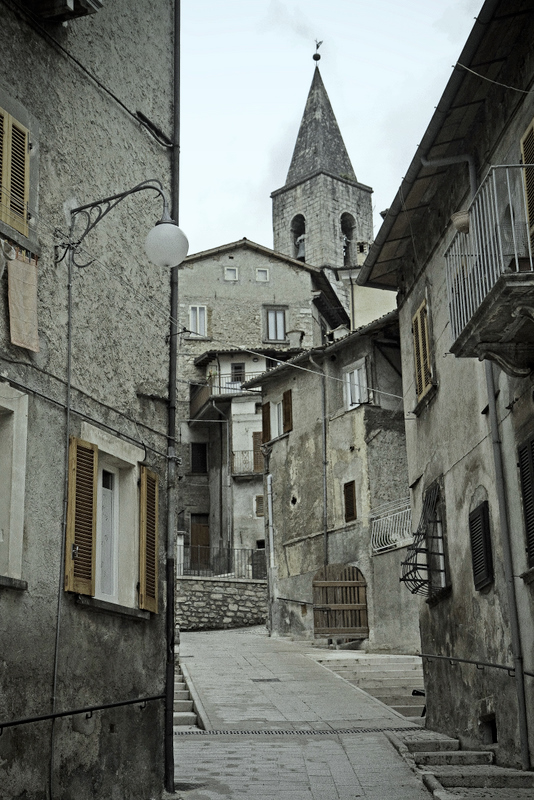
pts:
[209, 604]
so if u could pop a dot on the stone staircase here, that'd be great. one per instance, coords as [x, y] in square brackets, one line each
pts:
[389, 678]
[468, 774]
[184, 713]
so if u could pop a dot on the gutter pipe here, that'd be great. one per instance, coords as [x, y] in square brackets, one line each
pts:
[325, 462]
[229, 537]
[170, 564]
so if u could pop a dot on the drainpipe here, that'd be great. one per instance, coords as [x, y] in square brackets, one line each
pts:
[170, 565]
[502, 502]
[228, 473]
[325, 462]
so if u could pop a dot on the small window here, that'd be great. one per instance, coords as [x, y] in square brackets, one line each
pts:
[198, 320]
[276, 324]
[230, 274]
[259, 505]
[422, 355]
[199, 458]
[14, 173]
[481, 555]
[356, 385]
[262, 275]
[349, 499]
[278, 421]
[238, 372]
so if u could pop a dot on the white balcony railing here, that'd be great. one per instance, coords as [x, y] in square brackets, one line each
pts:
[245, 462]
[391, 525]
[498, 241]
[232, 384]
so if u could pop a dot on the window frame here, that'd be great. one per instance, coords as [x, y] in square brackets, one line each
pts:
[421, 343]
[227, 270]
[199, 459]
[13, 443]
[194, 325]
[481, 549]
[262, 280]
[272, 313]
[350, 511]
[361, 387]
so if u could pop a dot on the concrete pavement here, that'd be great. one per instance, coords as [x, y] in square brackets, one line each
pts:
[280, 725]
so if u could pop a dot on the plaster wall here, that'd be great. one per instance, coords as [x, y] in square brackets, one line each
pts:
[87, 147]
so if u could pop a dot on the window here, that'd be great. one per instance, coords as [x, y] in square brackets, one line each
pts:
[197, 320]
[112, 524]
[256, 451]
[262, 275]
[230, 273]
[277, 418]
[13, 438]
[421, 346]
[266, 422]
[349, 499]
[424, 570]
[277, 422]
[527, 154]
[238, 372]
[298, 237]
[356, 385]
[276, 324]
[526, 477]
[259, 505]
[14, 173]
[287, 412]
[481, 555]
[199, 457]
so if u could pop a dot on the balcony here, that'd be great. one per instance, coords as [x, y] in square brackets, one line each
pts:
[391, 526]
[247, 462]
[490, 274]
[222, 384]
[220, 562]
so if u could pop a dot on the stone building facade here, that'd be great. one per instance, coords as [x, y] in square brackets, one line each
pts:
[84, 382]
[456, 246]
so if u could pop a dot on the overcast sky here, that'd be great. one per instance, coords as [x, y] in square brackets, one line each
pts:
[246, 71]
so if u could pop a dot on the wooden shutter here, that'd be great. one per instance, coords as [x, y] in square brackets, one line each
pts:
[259, 505]
[256, 451]
[14, 173]
[481, 556]
[80, 547]
[266, 422]
[148, 542]
[287, 411]
[349, 495]
[526, 475]
[527, 153]
[421, 346]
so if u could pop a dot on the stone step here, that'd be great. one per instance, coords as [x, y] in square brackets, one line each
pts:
[180, 686]
[181, 694]
[432, 745]
[455, 758]
[397, 698]
[183, 705]
[402, 685]
[381, 666]
[367, 658]
[407, 711]
[487, 777]
[184, 718]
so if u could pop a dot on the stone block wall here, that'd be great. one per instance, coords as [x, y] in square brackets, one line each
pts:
[215, 604]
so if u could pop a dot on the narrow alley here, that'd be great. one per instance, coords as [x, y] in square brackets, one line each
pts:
[280, 725]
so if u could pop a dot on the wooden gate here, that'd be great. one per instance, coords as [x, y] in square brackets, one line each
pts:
[340, 602]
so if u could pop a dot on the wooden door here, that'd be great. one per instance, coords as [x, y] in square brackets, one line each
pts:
[200, 542]
[340, 602]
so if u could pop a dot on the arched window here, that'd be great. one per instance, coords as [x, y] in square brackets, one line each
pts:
[348, 224]
[298, 237]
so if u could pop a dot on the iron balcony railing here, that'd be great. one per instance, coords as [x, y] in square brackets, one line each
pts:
[497, 241]
[226, 383]
[220, 562]
[245, 462]
[391, 525]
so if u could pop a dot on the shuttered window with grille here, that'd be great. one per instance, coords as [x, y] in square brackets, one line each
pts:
[14, 173]
[526, 475]
[148, 545]
[481, 555]
[349, 498]
[259, 505]
[422, 355]
[527, 154]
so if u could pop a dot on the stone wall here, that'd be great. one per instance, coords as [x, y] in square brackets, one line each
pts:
[210, 604]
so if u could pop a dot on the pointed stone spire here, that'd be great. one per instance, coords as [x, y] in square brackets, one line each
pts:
[320, 146]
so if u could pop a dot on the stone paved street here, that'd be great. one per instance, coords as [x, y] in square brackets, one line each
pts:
[276, 724]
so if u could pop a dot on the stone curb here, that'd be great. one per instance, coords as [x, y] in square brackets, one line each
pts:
[429, 779]
[198, 708]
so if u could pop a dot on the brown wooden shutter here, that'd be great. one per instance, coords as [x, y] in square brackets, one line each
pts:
[526, 474]
[287, 411]
[259, 505]
[349, 495]
[14, 173]
[527, 153]
[3, 162]
[266, 422]
[256, 451]
[148, 542]
[421, 346]
[481, 556]
[80, 547]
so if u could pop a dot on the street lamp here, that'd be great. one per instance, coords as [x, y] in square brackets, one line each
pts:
[166, 244]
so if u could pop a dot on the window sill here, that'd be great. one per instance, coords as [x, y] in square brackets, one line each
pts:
[284, 342]
[528, 576]
[278, 438]
[18, 239]
[438, 596]
[426, 400]
[103, 607]
[13, 583]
